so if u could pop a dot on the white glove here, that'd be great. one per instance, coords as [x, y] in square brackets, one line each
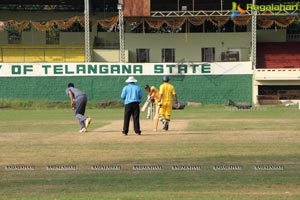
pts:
[159, 104]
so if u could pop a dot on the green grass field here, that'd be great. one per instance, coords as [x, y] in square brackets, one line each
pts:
[210, 152]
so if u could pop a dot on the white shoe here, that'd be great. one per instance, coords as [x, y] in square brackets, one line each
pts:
[83, 130]
[87, 122]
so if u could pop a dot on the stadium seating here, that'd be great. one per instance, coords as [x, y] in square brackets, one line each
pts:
[1, 58]
[13, 55]
[278, 55]
[74, 55]
[42, 53]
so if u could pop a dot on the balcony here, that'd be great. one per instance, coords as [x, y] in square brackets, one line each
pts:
[277, 74]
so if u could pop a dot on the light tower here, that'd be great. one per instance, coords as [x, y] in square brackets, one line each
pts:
[121, 32]
[87, 31]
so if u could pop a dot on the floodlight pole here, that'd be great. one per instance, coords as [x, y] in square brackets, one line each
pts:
[87, 30]
[121, 32]
[193, 5]
[221, 6]
[253, 39]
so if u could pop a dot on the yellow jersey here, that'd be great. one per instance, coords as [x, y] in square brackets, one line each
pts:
[154, 93]
[167, 91]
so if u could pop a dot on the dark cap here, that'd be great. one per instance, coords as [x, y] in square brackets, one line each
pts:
[166, 78]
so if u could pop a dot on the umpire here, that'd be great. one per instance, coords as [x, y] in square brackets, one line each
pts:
[131, 95]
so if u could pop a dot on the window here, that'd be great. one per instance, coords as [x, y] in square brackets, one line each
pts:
[168, 55]
[208, 54]
[142, 55]
[231, 55]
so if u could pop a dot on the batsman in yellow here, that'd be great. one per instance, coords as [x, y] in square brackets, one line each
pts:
[153, 95]
[165, 101]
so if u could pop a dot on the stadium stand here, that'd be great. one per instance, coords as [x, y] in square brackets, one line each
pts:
[278, 55]
[12, 55]
[42, 53]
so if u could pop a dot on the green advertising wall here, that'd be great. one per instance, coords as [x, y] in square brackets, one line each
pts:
[208, 89]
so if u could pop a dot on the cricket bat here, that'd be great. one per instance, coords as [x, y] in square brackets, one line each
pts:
[156, 119]
[145, 106]
[152, 110]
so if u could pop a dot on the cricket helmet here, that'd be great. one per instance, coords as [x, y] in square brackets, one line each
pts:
[147, 86]
[166, 78]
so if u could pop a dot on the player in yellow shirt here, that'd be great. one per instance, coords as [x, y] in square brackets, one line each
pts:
[165, 101]
[153, 95]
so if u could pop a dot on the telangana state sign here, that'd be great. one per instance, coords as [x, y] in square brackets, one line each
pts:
[117, 69]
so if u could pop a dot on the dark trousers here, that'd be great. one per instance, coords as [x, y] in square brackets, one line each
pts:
[79, 110]
[132, 109]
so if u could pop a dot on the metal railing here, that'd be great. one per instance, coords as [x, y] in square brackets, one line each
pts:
[293, 37]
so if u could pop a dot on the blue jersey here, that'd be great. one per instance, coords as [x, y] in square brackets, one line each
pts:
[131, 93]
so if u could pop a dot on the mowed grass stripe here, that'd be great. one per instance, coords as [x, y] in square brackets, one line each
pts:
[177, 185]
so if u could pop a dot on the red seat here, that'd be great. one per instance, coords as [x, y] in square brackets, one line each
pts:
[278, 55]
